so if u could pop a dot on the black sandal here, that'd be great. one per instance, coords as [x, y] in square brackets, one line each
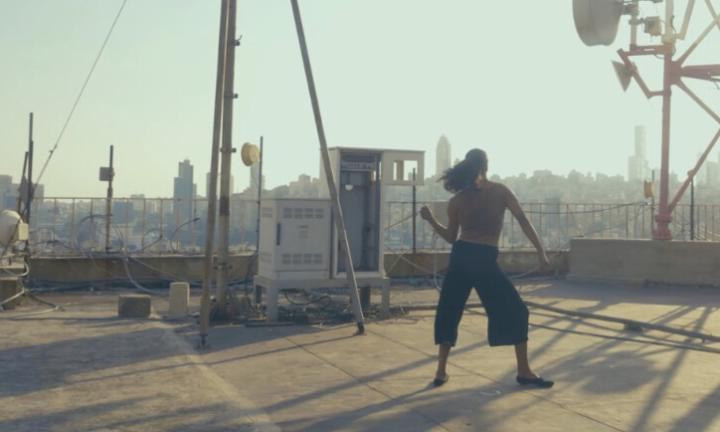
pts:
[537, 382]
[437, 382]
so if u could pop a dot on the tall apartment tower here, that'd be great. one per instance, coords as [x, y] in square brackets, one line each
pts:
[442, 156]
[638, 168]
[184, 191]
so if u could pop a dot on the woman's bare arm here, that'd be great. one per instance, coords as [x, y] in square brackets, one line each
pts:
[514, 206]
[450, 232]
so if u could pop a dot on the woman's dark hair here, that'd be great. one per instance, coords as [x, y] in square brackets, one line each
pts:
[466, 172]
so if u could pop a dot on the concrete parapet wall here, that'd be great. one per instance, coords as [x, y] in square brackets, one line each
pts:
[511, 261]
[161, 269]
[84, 270]
[645, 261]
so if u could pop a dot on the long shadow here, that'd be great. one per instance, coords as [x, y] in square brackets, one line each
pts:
[356, 382]
[29, 368]
[44, 422]
[588, 368]
[341, 419]
[136, 416]
[218, 417]
[431, 409]
[669, 316]
[702, 415]
[49, 365]
[227, 337]
[640, 340]
[474, 407]
[618, 293]
[443, 406]
[624, 363]
[334, 421]
[670, 372]
[591, 365]
[213, 363]
[600, 372]
[537, 352]
[286, 332]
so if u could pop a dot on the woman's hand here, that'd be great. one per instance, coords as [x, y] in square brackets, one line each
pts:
[426, 214]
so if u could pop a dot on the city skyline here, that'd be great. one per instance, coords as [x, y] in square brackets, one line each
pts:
[151, 94]
[709, 175]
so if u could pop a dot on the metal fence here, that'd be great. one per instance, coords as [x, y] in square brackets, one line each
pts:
[76, 226]
[557, 223]
[71, 226]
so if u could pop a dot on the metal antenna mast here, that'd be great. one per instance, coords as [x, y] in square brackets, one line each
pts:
[597, 22]
[212, 188]
[339, 219]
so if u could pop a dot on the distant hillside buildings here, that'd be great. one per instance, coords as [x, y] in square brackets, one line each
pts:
[9, 192]
[709, 174]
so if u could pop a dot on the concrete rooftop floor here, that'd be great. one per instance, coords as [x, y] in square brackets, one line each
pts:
[83, 369]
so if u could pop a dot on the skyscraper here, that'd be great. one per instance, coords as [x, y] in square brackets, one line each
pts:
[184, 192]
[442, 156]
[638, 168]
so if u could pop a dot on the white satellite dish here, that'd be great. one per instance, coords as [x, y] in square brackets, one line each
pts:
[250, 154]
[597, 21]
[12, 229]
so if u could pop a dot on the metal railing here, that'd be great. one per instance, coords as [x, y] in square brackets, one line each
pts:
[557, 223]
[71, 226]
[76, 226]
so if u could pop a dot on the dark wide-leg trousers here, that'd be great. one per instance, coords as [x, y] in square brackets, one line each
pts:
[475, 266]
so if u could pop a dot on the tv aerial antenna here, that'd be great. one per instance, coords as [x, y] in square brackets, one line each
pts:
[597, 23]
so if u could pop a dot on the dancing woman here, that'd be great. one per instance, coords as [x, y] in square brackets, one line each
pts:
[477, 210]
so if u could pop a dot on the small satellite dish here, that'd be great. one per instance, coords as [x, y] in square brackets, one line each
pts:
[597, 21]
[250, 154]
[623, 73]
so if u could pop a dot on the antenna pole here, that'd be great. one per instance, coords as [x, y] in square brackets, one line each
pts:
[664, 217]
[19, 203]
[414, 212]
[212, 192]
[692, 209]
[226, 152]
[259, 196]
[108, 203]
[335, 199]
[29, 188]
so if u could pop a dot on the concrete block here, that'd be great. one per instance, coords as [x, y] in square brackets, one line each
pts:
[179, 299]
[9, 287]
[645, 261]
[134, 306]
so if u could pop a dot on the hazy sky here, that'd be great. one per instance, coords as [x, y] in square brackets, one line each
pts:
[510, 77]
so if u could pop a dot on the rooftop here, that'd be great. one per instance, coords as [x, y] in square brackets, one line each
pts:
[84, 369]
